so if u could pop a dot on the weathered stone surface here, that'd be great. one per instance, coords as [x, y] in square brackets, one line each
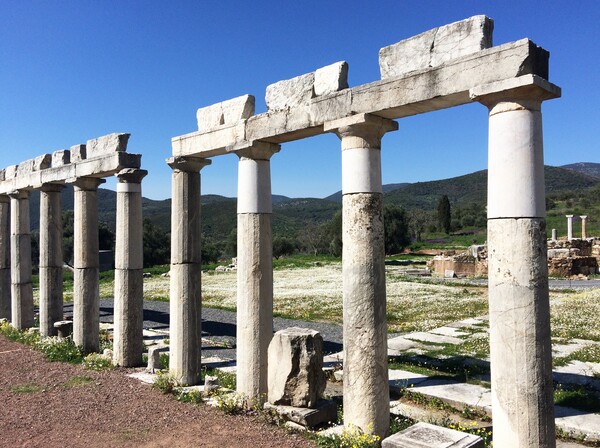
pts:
[426, 435]
[128, 341]
[2, 175]
[225, 113]
[211, 383]
[290, 92]
[296, 375]
[325, 411]
[331, 78]
[61, 157]
[64, 328]
[154, 363]
[36, 164]
[434, 47]
[78, 153]
[107, 144]
[10, 172]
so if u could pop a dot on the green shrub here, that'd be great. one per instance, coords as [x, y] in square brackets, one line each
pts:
[351, 437]
[97, 362]
[56, 349]
[166, 383]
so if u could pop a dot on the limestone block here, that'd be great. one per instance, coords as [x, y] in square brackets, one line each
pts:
[290, 92]
[107, 165]
[331, 78]
[37, 164]
[211, 383]
[296, 375]
[154, 363]
[61, 157]
[434, 47]
[2, 175]
[226, 112]
[426, 435]
[10, 172]
[324, 412]
[78, 153]
[107, 144]
[64, 328]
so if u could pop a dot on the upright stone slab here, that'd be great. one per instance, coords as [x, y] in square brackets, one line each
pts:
[254, 269]
[20, 251]
[186, 291]
[296, 375]
[51, 259]
[366, 389]
[433, 48]
[5, 285]
[128, 343]
[520, 346]
[86, 311]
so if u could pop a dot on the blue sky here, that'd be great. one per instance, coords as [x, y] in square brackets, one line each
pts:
[75, 70]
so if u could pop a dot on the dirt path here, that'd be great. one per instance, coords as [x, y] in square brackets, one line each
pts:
[54, 404]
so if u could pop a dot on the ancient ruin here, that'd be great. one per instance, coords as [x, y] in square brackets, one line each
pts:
[84, 167]
[452, 65]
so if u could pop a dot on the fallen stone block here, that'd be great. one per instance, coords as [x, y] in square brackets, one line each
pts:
[324, 412]
[426, 435]
[434, 47]
[61, 157]
[226, 112]
[107, 144]
[295, 374]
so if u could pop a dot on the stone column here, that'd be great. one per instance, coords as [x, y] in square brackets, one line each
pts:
[20, 251]
[128, 343]
[254, 269]
[51, 259]
[583, 226]
[186, 291]
[554, 238]
[520, 347]
[5, 284]
[366, 389]
[569, 227]
[86, 311]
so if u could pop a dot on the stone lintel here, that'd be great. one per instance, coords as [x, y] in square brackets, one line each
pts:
[225, 113]
[188, 164]
[131, 175]
[255, 150]
[528, 87]
[421, 91]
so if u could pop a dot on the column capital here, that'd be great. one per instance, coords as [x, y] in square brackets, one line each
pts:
[52, 187]
[522, 93]
[255, 150]
[368, 127]
[583, 216]
[187, 164]
[131, 175]
[569, 216]
[86, 183]
[19, 194]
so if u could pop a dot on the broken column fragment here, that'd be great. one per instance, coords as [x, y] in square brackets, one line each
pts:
[296, 375]
[434, 47]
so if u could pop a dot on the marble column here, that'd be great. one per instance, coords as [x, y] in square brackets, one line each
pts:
[20, 251]
[554, 238]
[186, 290]
[583, 226]
[520, 346]
[366, 389]
[569, 227]
[86, 311]
[128, 343]
[51, 258]
[5, 284]
[254, 269]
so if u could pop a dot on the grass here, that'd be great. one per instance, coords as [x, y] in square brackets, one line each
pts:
[78, 381]
[577, 397]
[28, 388]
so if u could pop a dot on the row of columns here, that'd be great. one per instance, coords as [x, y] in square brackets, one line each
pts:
[570, 227]
[16, 291]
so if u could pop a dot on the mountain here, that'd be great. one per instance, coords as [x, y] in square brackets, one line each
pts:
[337, 196]
[591, 169]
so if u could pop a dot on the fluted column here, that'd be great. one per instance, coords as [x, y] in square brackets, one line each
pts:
[51, 258]
[128, 343]
[5, 284]
[186, 290]
[254, 269]
[520, 346]
[86, 311]
[366, 389]
[20, 251]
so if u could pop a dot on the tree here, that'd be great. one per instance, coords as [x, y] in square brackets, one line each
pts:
[283, 246]
[396, 233]
[444, 214]
[157, 245]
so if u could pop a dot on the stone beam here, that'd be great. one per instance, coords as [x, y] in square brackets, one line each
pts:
[102, 166]
[420, 91]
